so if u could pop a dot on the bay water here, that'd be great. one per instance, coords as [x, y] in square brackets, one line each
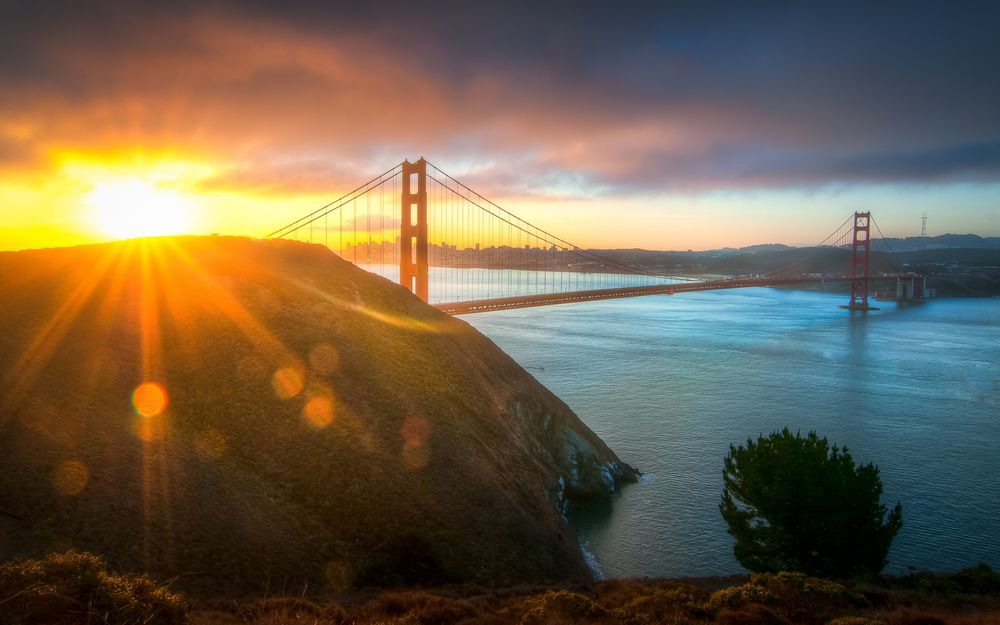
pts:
[670, 382]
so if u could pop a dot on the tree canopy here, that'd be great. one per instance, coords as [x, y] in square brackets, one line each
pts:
[793, 503]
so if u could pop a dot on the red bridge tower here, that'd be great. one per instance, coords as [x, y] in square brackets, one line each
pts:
[413, 248]
[860, 262]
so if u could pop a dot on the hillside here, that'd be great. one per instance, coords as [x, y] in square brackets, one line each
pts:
[943, 241]
[247, 414]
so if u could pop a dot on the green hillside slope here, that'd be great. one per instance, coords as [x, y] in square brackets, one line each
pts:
[246, 414]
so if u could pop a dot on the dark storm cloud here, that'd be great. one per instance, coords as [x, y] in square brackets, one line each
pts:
[974, 159]
[613, 99]
[761, 166]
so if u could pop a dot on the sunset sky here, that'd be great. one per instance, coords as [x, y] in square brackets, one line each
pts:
[691, 126]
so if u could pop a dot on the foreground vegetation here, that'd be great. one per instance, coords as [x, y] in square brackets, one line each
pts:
[76, 588]
[965, 598]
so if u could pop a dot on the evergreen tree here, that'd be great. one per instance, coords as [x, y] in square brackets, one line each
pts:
[794, 503]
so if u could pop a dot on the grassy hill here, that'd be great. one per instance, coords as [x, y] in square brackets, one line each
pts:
[246, 414]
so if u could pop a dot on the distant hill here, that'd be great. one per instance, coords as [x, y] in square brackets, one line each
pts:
[956, 264]
[316, 424]
[766, 247]
[905, 244]
[943, 241]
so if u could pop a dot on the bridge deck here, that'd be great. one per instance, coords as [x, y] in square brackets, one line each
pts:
[552, 299]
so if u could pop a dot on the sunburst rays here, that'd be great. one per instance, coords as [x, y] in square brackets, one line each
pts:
[47, 339]
[137, 319]
[122, 305]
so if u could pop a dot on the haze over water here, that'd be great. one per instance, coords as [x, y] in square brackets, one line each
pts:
[670, 382]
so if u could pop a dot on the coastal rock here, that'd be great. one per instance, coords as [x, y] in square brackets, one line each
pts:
[586, 467]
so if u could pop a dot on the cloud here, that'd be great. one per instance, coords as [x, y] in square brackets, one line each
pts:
[979, 159]
[552, 102]
[286, 177]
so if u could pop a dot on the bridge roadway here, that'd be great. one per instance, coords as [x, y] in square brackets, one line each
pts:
[551, 299]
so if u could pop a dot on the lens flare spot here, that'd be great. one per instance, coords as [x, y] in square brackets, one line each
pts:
[287, 382]
[149, 399]
[210, 444]
[70, 478]
[415, 432]
[324, 358]
[319, 411]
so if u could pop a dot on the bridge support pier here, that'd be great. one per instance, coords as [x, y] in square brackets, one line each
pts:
[413, 246]
[912, 288]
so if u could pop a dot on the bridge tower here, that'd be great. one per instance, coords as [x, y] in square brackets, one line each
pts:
[860, 261]
[413, 265]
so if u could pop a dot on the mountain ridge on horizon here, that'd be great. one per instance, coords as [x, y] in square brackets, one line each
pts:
[899, 244]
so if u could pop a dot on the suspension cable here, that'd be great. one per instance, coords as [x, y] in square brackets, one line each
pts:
[814, 254]
[552, 239]
[298, 223]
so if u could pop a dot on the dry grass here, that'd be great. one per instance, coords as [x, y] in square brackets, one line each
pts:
[77, 589]
[783, 599]
[54, 591]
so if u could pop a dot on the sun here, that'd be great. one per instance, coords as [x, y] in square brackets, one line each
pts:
[133, 207]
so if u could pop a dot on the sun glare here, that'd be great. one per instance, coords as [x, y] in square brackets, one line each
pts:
[135, 208]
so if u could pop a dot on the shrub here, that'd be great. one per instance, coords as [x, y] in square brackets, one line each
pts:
[792, 587]
[744, 594]
[805, 599]
[75, 587]
[795, 596]
[428, 609]
[560, 604]
[662, 604]
[794, 504]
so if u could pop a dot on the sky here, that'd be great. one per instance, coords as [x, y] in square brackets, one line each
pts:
[664, 126]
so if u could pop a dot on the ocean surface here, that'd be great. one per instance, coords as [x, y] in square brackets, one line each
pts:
[671, 382]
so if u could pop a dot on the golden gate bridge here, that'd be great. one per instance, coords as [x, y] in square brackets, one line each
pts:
[461, 252]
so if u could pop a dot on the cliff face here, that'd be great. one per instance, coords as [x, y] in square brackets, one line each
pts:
[246, 413]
